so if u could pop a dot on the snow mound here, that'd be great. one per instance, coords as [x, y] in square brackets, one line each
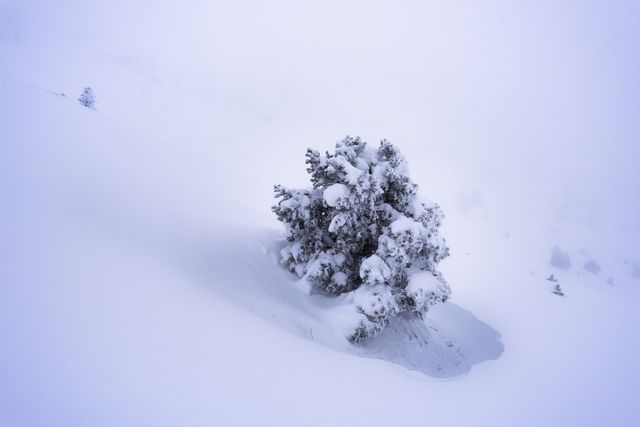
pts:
[446, 343]
[418, 345]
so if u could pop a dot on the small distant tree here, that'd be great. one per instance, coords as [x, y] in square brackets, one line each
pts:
[87, 98]
[556, 290]
[555, 287]
[361, 229]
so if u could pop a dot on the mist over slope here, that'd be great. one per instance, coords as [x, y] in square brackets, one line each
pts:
[139, 282]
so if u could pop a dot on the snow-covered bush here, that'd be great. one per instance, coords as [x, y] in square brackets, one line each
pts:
[362, 230]
[555, 288]
[87, 98]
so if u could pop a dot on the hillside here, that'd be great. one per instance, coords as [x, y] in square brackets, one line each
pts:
[140, 282]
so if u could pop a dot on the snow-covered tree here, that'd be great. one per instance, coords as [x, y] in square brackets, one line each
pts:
[87, 98]
[555, 288]
[361, 229]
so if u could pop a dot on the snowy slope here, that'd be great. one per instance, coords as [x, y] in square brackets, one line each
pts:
[139, 282]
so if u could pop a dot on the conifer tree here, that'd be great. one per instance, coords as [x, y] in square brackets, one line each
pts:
[361, 229]
[87, 98]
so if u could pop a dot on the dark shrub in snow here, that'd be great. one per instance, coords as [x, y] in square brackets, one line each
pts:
[555, 288]
[87, 99]
[362, 230]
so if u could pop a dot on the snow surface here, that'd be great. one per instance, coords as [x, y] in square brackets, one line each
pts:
[134, 292]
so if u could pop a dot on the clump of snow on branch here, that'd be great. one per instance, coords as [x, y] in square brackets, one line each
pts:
[361, 229]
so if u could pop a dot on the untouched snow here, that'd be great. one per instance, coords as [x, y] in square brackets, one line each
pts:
[133, 290]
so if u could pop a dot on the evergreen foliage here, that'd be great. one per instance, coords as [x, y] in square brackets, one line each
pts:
[362, 230]
[87, 98]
